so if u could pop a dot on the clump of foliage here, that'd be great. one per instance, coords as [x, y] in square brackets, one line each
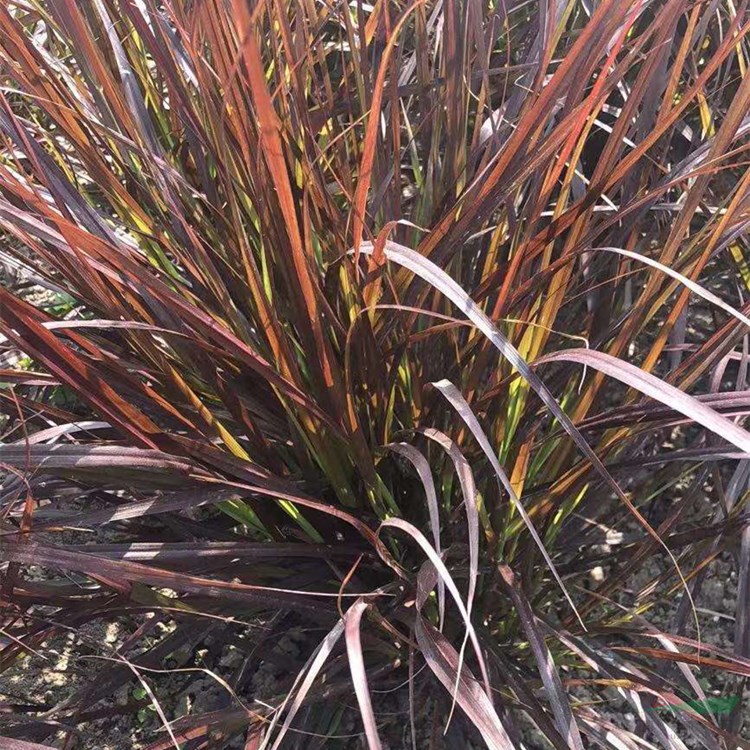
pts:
[418, 328]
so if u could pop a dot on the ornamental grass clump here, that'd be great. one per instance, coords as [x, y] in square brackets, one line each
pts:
[377, 370]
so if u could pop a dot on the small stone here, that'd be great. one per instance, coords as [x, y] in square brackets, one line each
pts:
[231, 658]
[597, 574]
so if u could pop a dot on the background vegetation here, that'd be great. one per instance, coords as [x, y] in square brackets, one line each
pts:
[414, 331]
